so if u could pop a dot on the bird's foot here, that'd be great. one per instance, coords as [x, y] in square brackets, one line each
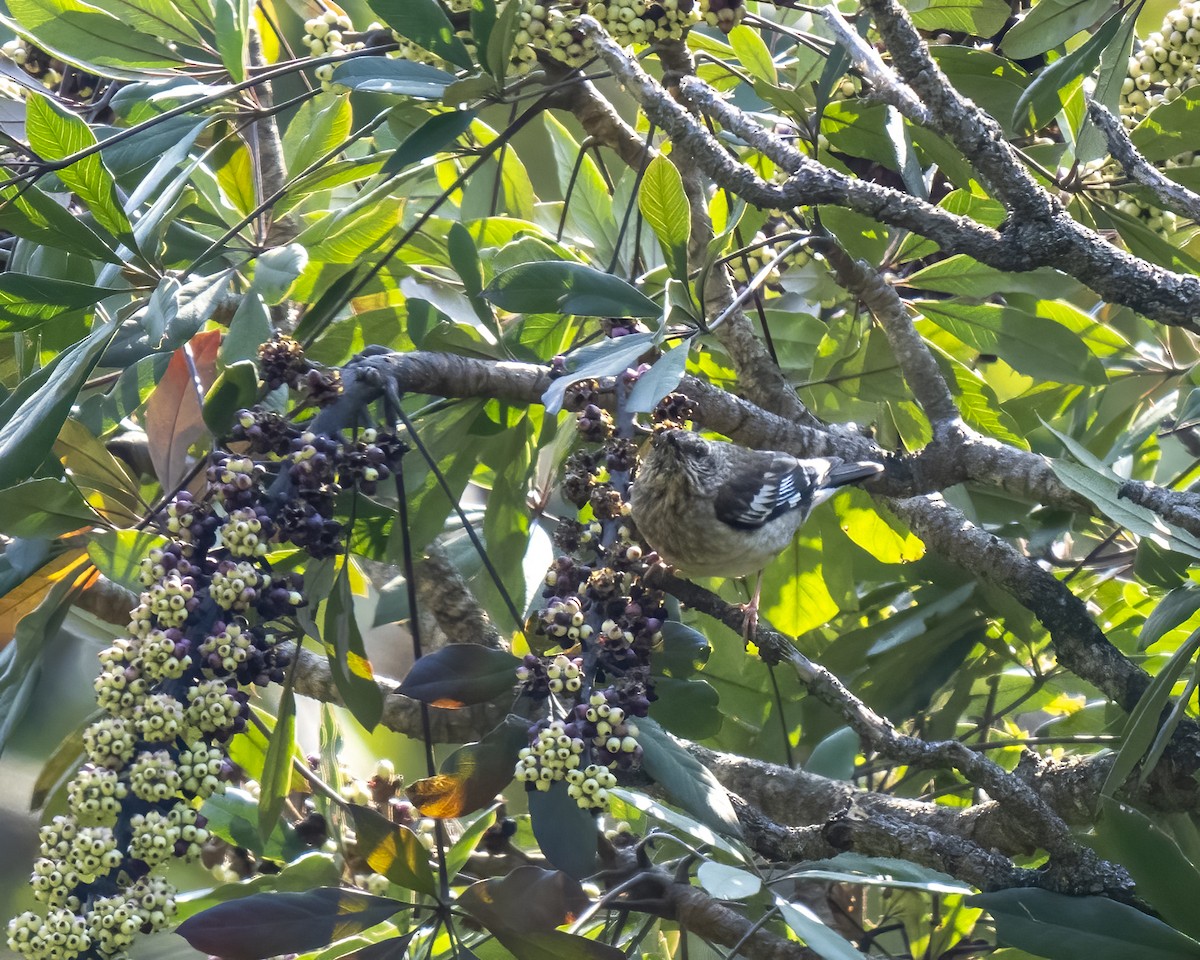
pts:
[749, 621]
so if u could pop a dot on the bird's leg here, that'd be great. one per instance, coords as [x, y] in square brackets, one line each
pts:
[750, 612]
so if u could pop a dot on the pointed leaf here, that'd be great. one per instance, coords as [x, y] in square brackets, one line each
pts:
[174, 419]
[268, 924]
[276, 778]
[1059, 927]
[460, 674]
[559, 286]
[686, 781]
[393, 850]
[348, 661]
[566, 834]
[472, 775]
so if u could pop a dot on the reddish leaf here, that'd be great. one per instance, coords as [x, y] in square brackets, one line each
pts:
[393, 850]
[530, 899]
[461, 674]
[268, 924]
[174, 418]
[473, 774]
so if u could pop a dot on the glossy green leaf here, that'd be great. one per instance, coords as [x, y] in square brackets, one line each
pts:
[57, 134]
[235, 389]
[460, 674]
[662, 377]
[27, 211]
[401, 78]
[821, 939]
[276, 779]
[1165, 877]
[566, 833]
[1173, 610]
[1058, 927]
[425, 23]
[85, 36]
[31, 416]
[118, 554]
[44, 508]
[319, 126]
[1050, 23]
[687, 708]
[663, 203]
[1043, 95]
[978, 18]
[561, 287]
[1036, 346]
[266, 924]
[607, 358]
[1170, 128]
[27, 301]
[685, 780]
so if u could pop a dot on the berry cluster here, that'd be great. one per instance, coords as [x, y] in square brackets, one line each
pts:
[173, 690]
[596, 609]
[52, 73]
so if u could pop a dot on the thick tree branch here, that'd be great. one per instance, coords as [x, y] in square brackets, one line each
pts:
[1050, 239]
[1171, 195]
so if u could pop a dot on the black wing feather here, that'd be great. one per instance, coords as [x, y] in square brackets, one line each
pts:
[768, 485]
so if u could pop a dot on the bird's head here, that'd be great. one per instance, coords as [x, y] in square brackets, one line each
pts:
[683, 452]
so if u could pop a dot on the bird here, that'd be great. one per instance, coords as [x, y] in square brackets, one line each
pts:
[710, 508]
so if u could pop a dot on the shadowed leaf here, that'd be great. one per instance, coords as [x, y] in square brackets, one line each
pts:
[268, 924]
[473, 774]
[529, 899]
[393, 850]
[460, 674]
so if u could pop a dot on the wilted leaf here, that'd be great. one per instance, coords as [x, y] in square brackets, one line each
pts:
[174, 418]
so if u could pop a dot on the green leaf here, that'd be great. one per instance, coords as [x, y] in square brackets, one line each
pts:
[1050, 23]
[276, 270]
[501, 40]
[683, 651]
[348, 661]
[471, 777]
[1034, 345]
[664, 205]
[425, 23]
[1173, 610]
[1058, 927]
[1092, 479]
[875, 530]
[1166, 879]
[157, 18]
[687, 708]
[319, 126]
[883, 872]
[727, 883]
[1043, 95]
[965, 277]
[686, 781]
[232, 20]
[401, 78]
[276, 779]
[235, 389]
[27, 211]
[118, 555]
[460, 674]
[979, 18]
[607, 358]
[825, 942]
[31, 416]
[662, 377]
[57, 134]
[558, 286]
[28, 301]
[1170, 128]
[1144, 723]
[266, 924]
[393, 850]
[311, 870]
[565, 832]
[464, 257]
[44, 508]
[753, 52]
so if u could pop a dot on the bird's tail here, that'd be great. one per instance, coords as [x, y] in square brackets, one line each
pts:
[845, 473]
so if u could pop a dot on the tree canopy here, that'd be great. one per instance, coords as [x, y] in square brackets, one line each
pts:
[315, 319]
